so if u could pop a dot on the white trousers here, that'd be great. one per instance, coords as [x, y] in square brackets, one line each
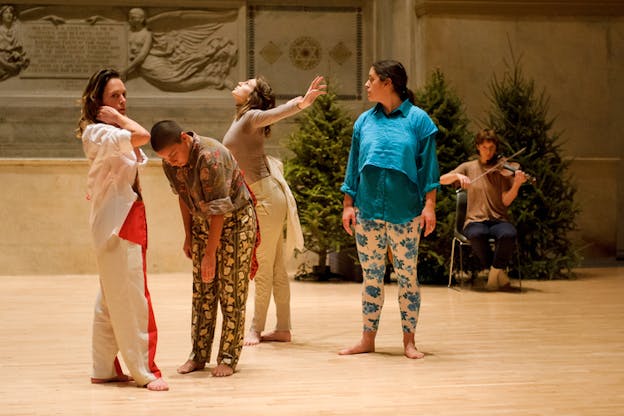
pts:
[271, 277]
[123, 319]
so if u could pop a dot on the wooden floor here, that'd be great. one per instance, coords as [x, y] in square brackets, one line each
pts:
[557, 348]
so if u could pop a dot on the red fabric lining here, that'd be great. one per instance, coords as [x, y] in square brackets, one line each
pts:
[254, 258]
[134, 229]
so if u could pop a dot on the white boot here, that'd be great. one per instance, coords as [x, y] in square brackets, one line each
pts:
[492, 283]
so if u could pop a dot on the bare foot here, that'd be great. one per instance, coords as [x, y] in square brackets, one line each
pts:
[412, 352]
[366, 344]
[252, 338]
[117, 379]
[157, 385]
[190, 366]
[222, 370]
[359, 348]
[277, 336]
[409, 347]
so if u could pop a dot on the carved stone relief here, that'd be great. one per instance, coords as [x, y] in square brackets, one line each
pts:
[327, 41]
[13, 59]
[181, 59]
[67, 49]
[174, 50]
[305, 52]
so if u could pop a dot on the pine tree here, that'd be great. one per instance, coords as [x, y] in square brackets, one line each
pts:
[453, 147]
[544, 214]
[320, 149]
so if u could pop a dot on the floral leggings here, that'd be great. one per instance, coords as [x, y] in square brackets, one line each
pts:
[373, 237]
[229, 288]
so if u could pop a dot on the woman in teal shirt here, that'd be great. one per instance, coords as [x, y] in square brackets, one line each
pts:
[390, 189]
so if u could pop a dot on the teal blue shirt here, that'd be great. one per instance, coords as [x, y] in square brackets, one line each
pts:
[392, 163]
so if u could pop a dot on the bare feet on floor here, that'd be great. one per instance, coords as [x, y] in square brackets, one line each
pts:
[190, 366]
[277, 336]
[366, 344]
[359, 348]
[118, 379]
[222, 370]
[412, 352]
[157, 385]
[252, 338]
[409, 346]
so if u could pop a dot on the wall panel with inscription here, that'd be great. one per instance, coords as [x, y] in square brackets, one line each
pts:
[176, 62]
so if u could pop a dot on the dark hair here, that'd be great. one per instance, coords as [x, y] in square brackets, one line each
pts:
[93, 96]
[488, 135]
[261, 98]
[164, 134]
[395, 71]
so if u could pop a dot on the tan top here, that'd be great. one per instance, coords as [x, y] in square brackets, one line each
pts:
[485, 196]
[245, 138]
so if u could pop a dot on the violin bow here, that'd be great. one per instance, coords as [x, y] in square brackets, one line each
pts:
[498, 164]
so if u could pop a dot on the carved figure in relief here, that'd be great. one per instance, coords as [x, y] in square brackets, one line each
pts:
[139, 40]
[179, 60]
[12, 56]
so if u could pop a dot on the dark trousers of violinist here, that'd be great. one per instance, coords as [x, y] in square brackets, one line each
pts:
[490, 193]
[504, 235]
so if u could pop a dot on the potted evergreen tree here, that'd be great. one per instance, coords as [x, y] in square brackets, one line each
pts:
[544, 214]
[315, 172]
[447, 111]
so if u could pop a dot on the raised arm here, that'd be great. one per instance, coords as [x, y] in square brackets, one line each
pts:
[262, 118]
[317, 88]
[139, 135]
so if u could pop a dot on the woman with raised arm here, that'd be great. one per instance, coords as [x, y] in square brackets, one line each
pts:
[123, 320]
[275, 207]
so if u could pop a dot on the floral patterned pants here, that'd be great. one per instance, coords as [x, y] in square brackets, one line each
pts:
[229, 288]
[373, 238]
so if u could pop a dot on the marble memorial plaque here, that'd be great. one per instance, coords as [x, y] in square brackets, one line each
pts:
[73, 50]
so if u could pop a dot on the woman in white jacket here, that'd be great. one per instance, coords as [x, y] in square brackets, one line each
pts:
[111, 142]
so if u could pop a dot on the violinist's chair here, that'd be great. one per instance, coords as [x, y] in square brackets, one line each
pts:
[458, 238]
[462, 240]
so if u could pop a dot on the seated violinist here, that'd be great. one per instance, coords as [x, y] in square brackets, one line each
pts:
[489, 195]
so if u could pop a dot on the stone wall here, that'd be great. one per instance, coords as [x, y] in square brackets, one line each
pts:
[45, 219]
[178, 62]
[572, 49]
[45, 216]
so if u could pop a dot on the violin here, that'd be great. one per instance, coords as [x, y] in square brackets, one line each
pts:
[502, 165]
[506, 168]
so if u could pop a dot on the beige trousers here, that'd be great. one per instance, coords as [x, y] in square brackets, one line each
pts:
[271, 277]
